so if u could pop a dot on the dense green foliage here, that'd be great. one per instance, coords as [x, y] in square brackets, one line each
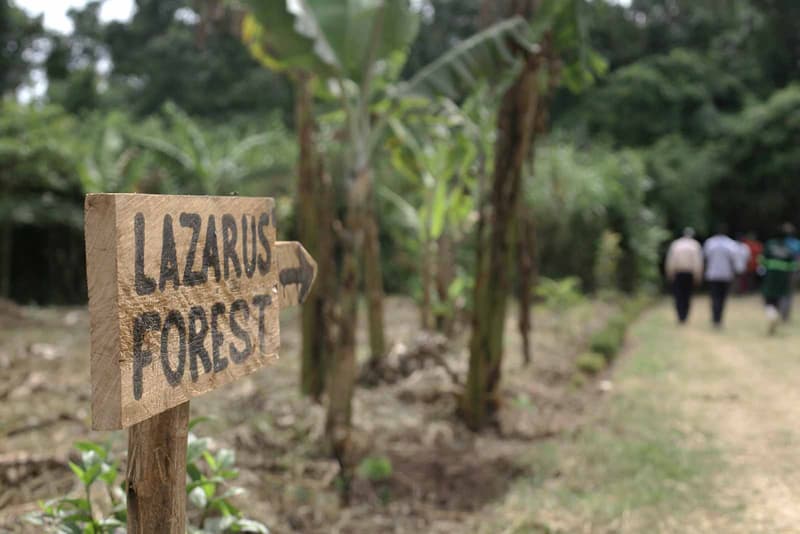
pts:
[696, 122]
[581, 194]
[704, 91]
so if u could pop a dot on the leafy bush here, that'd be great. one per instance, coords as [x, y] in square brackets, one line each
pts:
[560, 295]
[579, 195]
[208, 487]
[609, 340]
[591, 363]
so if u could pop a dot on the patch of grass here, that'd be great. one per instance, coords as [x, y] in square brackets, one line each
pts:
[633, 466]
[590, 363]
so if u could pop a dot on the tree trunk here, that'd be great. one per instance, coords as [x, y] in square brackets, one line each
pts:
[314, 218]
[426, 266]
[373, 280]
[445, 274]
[515, 126]
[526, 243]
[342, 371]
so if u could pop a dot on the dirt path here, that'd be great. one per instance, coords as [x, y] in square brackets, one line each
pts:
[743, 388]
[699, 433]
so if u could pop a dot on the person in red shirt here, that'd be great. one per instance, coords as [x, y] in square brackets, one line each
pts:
[750, 279]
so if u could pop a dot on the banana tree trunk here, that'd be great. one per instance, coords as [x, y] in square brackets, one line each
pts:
[515, 126]
[314, 227]
[342, 370]
[526, 242]
[373, 281]
[426, 278]
[445, 274]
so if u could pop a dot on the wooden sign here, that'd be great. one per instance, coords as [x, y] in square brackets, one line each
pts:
[184, 294]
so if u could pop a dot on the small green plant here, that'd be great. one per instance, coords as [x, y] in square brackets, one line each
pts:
[79, 514]
[375, 468]
[591, 363]
[208, 487]
[606, 263]
[560, 295]
[209, 490]
[608, 341]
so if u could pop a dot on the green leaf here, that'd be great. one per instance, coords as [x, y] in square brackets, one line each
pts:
[198, 497]
[210, 460]
[193, 471]
[410, 216]
[286, 34]
[195, 447]
[77, 504]
[210, 487]
[249, 525]
[34, 518]
[202, 419]
[92, 472]
[486, 55]
[219, 524]
[439, 209]
[226, 458]
[224, 507]
[228, 474]
[375, 468]
[86, 446]
[342, 39]
[109, 473]
[78, 470]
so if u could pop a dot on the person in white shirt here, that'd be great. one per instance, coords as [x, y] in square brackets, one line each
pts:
[684, 269]
[722, 261]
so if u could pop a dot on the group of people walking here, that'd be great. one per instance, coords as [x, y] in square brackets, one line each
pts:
[721, 261]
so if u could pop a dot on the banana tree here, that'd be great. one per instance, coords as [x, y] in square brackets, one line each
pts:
[436, 154]
[350, 46]
[556, 52]
[201, 163]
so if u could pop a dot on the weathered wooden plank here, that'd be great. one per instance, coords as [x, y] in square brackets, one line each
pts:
[183, 294]
[101, 273]
[156, 473]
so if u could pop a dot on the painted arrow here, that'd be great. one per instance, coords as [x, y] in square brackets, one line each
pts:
[296, 272]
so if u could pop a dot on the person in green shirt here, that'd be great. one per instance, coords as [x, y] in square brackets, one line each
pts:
[778, 265]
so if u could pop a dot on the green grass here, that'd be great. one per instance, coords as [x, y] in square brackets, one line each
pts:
[631, 470]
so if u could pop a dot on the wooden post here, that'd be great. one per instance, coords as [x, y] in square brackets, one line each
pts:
[156, 474]
[184, 297]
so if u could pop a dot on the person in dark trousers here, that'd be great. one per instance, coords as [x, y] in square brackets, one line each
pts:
[684, 269]
[722, 260]
[779, 265]
[789, 233]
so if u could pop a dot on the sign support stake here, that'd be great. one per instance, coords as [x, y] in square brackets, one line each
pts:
[156, 474]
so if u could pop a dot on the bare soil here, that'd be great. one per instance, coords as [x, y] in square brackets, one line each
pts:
[443, 476]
